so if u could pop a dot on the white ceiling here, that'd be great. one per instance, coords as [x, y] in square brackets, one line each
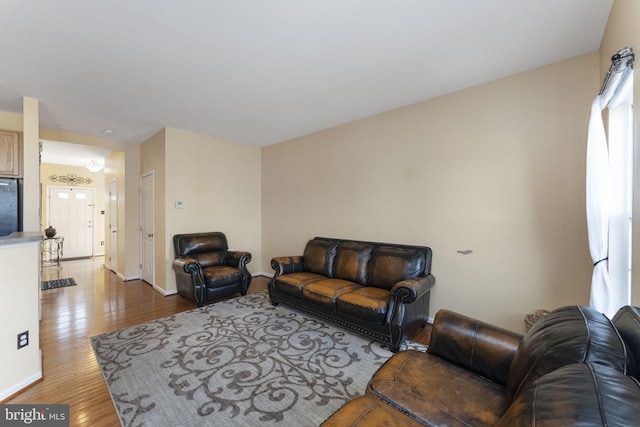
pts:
[260, 72]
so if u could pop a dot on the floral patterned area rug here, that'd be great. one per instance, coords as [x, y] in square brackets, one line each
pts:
[239, 362]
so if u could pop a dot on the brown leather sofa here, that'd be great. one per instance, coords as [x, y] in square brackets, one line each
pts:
[575, 367]
[377, 289]
[206, 269]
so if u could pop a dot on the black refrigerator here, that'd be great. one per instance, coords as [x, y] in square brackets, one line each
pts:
[10, 205]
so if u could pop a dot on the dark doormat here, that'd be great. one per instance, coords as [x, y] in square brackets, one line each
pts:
[58, 283]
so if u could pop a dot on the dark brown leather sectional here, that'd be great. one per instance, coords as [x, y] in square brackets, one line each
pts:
[575, 367]
[377, 289]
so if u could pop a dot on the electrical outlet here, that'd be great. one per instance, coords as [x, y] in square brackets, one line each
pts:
[101, 242]
[23, 339]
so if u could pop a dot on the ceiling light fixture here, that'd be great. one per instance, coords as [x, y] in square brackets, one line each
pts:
[94, 166]
[109, 131]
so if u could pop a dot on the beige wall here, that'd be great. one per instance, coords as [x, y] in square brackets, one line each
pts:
[623, 30]
[497, 169]
[11, 121]
[48, 169]
[219, 184]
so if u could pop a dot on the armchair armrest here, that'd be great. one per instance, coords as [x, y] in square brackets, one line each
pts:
[474, 345]
[287, 265]
[188, 265]
[238, 259]
[412, 289]
[189, 278]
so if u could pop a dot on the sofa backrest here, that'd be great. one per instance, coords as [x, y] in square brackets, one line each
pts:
[474, 345]
[352, 261]
[627, 322]
[319, 256]
[567, 335]
[582, 394]
[208, 248]
[389, 265]
[368, 263]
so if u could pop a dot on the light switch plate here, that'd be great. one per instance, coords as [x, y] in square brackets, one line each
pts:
[179, 204]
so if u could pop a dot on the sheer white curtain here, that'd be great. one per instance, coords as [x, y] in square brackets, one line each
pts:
[605, 295]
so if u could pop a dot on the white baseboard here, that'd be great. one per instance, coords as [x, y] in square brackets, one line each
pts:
[21, 385]
[164, 292]
[126, 278]
[262, 273]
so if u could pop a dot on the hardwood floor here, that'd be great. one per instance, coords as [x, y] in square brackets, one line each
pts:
[70, 316]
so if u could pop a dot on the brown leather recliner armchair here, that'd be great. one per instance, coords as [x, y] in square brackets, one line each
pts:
[206, 269]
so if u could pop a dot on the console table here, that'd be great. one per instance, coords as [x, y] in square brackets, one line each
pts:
[52, 250]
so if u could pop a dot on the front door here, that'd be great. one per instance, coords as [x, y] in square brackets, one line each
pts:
[71, 213]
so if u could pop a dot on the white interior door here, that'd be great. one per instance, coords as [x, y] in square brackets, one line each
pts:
[71, 213]
[113, 225]
[147, 228]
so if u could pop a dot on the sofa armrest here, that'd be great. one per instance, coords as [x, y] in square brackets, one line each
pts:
[238, 259]
[287, 265]
[413, 289]
[473, 345]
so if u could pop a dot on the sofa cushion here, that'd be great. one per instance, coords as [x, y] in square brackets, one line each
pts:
[370, 304]
[319, 256]
[367, 411]
[209, 259]
[390, 265]
[437, 392]
[567, 335]
[352, 260]
[326, 291]
[583, 394]
[627, 322]
[294, 283]
[221, 275]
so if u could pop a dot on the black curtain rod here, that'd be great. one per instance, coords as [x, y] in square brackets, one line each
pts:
[617, 63]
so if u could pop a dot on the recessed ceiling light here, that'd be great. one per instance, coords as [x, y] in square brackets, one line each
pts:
[108, 131]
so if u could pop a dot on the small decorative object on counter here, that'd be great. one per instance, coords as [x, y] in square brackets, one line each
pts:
[50, 232]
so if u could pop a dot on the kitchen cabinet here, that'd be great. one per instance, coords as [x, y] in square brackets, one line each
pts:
[10, 154]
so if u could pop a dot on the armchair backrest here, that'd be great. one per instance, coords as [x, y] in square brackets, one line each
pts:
[208, 248]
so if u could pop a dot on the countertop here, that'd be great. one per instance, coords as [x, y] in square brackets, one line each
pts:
[21, 238]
